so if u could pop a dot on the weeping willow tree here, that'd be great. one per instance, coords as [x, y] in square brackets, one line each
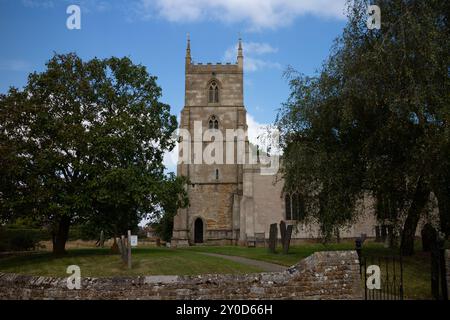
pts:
[374, 120]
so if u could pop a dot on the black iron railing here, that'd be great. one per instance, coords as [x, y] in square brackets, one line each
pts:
[389, 285]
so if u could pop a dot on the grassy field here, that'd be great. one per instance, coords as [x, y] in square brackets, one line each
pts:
[100, 263]
[296, 253]
[190, 261]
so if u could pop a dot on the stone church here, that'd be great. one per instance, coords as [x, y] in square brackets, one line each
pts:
[233, 203]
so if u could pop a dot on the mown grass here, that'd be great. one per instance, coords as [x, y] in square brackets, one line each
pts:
[100, 263]
[296, 253]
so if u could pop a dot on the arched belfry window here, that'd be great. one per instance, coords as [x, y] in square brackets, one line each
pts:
[213, 123]
[213, 92]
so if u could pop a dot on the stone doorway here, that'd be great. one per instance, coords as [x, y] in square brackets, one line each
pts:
[198, 231]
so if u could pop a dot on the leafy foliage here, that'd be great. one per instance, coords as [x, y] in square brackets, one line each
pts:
[175, 198]
[375, 120]
[84, 142]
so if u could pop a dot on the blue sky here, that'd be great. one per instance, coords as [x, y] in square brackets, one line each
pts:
[276, 33]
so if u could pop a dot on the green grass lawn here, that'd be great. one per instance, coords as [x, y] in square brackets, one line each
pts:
[100, 263]
[296, 253]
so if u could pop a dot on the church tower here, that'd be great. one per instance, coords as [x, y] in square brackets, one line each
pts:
[214, 102]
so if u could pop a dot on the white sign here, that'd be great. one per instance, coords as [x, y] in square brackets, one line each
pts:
[134, 241]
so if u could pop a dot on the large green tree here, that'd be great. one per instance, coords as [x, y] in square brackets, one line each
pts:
[83, 140]
[375, 120]
[174, 197]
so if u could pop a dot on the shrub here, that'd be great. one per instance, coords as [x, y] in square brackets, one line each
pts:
[20, 239]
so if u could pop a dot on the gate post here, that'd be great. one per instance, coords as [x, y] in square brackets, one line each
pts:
[447, 269]
[443, 270]
[439, 270]
[358, 248]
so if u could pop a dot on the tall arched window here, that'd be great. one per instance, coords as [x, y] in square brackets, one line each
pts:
[213, 123]
[287, 207]
[213, 93]
[294, 206]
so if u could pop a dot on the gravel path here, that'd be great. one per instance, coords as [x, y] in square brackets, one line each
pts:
[265, 266]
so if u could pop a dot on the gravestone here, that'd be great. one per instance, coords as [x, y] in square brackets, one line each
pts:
[273, 233]
[383, 233]
[286, 233]
[287, 239]
[429, 236]
[392, 237]
[282, 231]
[363, 237]
[377, 234]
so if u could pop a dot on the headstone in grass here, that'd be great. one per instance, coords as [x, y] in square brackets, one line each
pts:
[429, 236]
[282, 231]
[338, 236]
[377, 234]
[383, 233]
[287, 239]
[363, 237]
[392, 237]
[273, 233]
[286, 233]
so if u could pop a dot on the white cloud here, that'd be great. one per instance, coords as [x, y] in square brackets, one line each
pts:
[252, 49]
[257, 14]
[87, 6]
[14, 65]
[38, 3]
[170, 159]
[253, 64]
[255, 129]
[258, 48]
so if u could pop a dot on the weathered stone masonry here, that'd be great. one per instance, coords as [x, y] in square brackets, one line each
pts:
[323, 275]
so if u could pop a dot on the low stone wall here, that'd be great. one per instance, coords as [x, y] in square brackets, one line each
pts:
[323, 275]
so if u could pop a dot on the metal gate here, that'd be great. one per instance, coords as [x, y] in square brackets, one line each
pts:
[438, 271]
[382, 277]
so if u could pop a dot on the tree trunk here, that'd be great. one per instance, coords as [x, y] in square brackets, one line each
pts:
[419, 201]
[61, 236]
[115, 246]
[441, 191]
